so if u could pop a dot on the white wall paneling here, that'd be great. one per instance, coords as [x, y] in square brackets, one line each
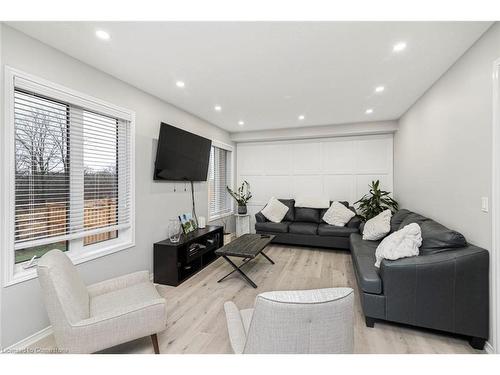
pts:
[340, 168]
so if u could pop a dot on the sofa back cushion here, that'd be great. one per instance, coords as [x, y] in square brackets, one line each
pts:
[290, 203]
[307, 215]
[397, 218]
[435, 236]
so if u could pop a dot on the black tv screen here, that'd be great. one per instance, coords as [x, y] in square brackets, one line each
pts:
[181, 155]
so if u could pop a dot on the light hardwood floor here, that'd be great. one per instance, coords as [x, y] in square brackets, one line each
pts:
[196, 320]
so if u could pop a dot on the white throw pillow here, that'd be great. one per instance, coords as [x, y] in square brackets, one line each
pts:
[338, 215]
[275, 211]
[312, 202]
[401, 244]
[378, 227]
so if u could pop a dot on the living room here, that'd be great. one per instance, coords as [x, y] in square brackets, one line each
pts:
[255, 187]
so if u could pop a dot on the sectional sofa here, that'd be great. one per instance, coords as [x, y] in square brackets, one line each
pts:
[445, 288]
[304, 226]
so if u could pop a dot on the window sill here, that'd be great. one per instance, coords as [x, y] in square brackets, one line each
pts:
[22, 275]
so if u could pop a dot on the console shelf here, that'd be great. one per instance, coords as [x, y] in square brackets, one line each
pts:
[172, 262]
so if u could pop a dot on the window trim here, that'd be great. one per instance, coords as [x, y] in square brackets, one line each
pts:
[15, 273]
[229, 148]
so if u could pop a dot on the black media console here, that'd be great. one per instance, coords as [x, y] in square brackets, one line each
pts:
[176, 262]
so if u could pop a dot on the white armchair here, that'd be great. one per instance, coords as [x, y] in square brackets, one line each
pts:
[294, 322]
[86, 320]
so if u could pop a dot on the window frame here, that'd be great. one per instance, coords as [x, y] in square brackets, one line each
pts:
[230, 149]
[16, 273]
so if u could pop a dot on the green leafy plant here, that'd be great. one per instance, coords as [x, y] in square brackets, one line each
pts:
[376, 201]
[242, 195]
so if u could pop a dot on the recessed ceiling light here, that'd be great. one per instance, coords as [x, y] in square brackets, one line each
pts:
[241, 123]
[180, 84]
[301, 117]
[379, 88]
[101, 34]
[398, 47]
[369, 111]
[218, 108]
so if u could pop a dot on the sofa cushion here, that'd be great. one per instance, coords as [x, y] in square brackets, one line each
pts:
[397, 218]
[363, 258]
[303, 228]
[269, 226]
[290, 203]
[435, 236]
[307, 215]
[334, 231]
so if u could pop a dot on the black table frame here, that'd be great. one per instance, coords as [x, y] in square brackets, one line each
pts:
[238, 268]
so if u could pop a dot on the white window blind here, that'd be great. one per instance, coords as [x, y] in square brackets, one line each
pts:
[72, 171]
[218, 178]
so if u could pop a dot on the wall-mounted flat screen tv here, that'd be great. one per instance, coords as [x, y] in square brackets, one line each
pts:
[181, 155]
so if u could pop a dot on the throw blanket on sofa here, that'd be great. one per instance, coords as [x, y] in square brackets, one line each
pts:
[401, 244]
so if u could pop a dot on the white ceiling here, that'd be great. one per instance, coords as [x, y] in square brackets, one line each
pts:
[268, 73]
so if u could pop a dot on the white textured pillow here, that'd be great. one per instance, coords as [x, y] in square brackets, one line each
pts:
[275, 211]
[401, 244]
[338, 215]
[312, 202]
[377, 227]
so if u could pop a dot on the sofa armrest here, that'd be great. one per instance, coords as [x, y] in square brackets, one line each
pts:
[119, 282]
[448, 290]
[260, 218]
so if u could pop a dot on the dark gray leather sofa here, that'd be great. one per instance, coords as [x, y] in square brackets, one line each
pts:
[304, 226]
[445, 288]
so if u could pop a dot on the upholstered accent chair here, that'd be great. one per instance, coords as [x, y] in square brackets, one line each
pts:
[90, 319]
[294, 322]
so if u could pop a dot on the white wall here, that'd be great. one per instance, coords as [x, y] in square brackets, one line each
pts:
[442, 150]
[340, 168]
[22, 311]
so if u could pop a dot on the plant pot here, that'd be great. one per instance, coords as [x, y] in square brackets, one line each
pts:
[242, 210]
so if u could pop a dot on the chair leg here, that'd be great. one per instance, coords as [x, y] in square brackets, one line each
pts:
[154, 338]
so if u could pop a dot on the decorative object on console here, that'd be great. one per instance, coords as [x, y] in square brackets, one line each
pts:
[242, 196]
[187, 222]
[312, 202]
[401, 244]
[376, 201]
[338, 215]
[275, 211]
[174, 230]
[377, 227]
[201, 222]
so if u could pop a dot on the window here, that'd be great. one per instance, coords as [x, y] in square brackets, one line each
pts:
[219, 176]
[71, 170]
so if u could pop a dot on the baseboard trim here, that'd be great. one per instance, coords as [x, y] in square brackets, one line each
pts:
[30, 340]
[488, 348]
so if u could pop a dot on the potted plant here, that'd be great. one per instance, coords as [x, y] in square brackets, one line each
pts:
[376, 201]
[242, 196]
